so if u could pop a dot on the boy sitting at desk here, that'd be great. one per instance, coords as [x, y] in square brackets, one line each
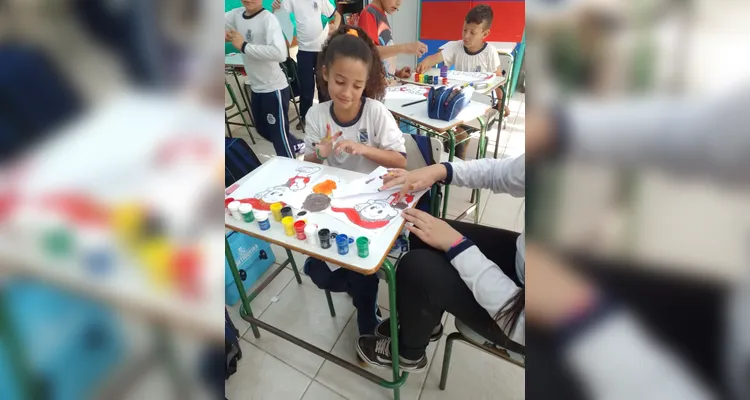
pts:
[471, 54]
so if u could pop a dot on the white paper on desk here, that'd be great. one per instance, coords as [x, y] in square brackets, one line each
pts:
[285, 20]
[365, 185]
[373, 212]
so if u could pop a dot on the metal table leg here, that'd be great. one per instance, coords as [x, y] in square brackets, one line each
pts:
[451, 153]
[501, 118]
[247, 315]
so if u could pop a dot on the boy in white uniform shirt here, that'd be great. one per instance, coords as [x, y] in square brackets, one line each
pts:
[310, 35]
[256, 33]
[471, 54]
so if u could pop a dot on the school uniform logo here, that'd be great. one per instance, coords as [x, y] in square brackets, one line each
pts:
[249, 36]
[315, 5]
[271, 119]
[364, 137]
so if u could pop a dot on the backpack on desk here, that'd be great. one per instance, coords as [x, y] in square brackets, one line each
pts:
[445, 103]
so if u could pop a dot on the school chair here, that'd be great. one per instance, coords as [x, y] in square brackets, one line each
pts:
[239, 112]
[515, 354]
[290, 70]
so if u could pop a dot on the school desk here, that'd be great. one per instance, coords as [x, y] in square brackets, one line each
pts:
[416, 115]
[232, 64]
[380, 245]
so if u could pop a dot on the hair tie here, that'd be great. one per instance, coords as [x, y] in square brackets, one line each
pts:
[352, 32]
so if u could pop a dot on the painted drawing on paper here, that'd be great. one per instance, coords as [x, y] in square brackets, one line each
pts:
[373, 214]
[300, 181]
[264, 199]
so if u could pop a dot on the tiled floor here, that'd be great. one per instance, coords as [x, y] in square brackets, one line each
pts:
[273, 368]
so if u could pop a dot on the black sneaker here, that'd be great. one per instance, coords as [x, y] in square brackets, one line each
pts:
[376, 351]
[384, 330]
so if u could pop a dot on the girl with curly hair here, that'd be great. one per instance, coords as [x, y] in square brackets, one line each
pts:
[353, 130]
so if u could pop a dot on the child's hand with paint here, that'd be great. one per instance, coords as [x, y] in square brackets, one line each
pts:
[325, 147]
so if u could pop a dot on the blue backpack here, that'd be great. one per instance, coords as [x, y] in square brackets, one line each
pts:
[239, 160]
[446, 102]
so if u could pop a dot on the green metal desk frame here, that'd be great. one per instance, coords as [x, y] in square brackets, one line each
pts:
[399, 378]
[450, 135]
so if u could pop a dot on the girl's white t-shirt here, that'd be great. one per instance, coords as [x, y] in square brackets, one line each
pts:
[373, 126]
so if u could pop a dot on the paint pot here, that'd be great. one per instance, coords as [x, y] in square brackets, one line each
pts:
[444, 71]
[262, 218]
[287, 212]
[299, 229]
[234, 209]
[445, 81]
[311, 233]
[417, 77]
[288, 223]
[302, 216]
[435, 80]
[324, 235]
[363, 247]
[427, 79]
[226, 203]
[276, 211]
[247, 212]
[342, 243]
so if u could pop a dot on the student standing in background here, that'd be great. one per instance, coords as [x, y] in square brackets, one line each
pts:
[256, 33]
[310, 35]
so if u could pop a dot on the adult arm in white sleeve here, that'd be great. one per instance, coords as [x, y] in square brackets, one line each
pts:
[700, 136]
[500, 176]
[274, 50]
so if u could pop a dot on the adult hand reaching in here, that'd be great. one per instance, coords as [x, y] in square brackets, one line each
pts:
[416, 180]
[433, 231]
[416, 48]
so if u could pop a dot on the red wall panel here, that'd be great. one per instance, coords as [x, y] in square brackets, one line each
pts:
[443, 20]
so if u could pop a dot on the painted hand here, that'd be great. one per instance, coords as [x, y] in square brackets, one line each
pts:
[433, 231]
[325, 147]
[349, 146]
[413, 181]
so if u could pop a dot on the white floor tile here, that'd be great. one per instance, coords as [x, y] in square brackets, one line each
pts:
[260, 303]
[355, 387]
[504, 211]
[261, 376]
[316, 391]
[302, 311]
[473, 375]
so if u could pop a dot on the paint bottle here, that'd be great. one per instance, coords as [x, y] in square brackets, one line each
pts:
[444, 71]
[287, 212]
[363, 247]
[234, 209]
[311, 232]
[247, 212]
[445, 81]
[434, 80]
[288, 223]
[324, 235]
[342, 243]
[427, 79]
[299, 229]
[417, 78]
[262, 218]
[302, 216]
[227, 201]
[276, 211]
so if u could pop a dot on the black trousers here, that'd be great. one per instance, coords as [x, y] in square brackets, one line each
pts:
[306, 69]
[272, 122]
[428, 285]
